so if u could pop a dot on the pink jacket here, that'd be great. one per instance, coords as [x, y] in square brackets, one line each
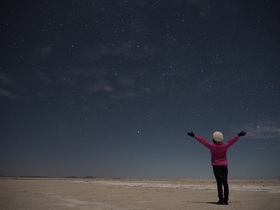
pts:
[218, 150]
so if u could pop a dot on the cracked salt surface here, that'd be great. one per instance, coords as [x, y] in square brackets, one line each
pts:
[72, 202]
[234, 187]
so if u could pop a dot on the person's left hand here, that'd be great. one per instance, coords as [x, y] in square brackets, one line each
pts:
[242, 133]
[191, 134]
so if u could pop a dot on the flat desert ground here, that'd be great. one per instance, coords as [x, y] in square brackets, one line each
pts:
[52, 194]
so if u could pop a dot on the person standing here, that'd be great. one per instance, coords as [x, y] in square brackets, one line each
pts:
[219, 161]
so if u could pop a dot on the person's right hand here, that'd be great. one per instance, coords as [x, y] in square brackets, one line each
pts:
[191, 134]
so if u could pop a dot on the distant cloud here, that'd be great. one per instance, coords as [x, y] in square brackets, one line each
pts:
[5, 79]
[262, 130]
[130, 49]
[101, 85]
[203, 7]
[43, 78]
[7, 93]
[136, 3]
[7, 86]
[259, 148]
[45, 52]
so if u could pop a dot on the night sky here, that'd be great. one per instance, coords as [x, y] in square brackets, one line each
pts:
[111, 88]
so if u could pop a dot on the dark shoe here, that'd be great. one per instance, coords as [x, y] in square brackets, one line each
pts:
[225, 201]
[220, 202]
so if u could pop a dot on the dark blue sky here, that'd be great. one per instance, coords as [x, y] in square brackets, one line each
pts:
[110, 88]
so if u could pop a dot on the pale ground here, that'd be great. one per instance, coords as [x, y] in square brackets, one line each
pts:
[52, 194]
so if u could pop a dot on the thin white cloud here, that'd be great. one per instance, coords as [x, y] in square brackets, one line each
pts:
[5, 79]
[45, 52]
[262, 130]
[7, 93]
[203, 6]
[101, 85]
[259, 148]
[43, 78]
[130, 49]
[7, 86]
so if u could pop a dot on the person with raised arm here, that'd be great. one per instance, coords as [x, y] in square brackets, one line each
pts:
[219, 161]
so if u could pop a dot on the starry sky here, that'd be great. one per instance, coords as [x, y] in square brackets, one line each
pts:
[110, 88]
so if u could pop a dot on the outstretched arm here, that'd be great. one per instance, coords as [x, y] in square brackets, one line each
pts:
[200, 140]
[234, 139]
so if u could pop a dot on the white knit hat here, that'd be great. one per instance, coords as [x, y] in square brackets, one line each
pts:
[218, 136]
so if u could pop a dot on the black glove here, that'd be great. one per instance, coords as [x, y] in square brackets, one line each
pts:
[242, 133]
[191, 134]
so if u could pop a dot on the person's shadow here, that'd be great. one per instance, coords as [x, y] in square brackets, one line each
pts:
[212, 203]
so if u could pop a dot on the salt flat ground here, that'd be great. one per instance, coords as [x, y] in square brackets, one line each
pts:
[52, 194]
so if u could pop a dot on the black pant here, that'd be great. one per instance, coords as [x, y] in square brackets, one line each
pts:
[221, 175]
